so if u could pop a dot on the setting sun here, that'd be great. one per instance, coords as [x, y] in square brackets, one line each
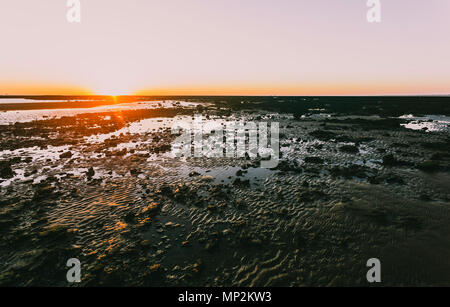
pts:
[111, 90]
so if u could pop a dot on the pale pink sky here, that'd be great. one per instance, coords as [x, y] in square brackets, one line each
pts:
[276, 47]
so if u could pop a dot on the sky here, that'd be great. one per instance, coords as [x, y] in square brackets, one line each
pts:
[225, 47]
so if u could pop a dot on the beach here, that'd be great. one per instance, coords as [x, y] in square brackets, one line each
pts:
[96, 180]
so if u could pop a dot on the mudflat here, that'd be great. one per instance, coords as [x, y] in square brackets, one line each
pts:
[368, 180]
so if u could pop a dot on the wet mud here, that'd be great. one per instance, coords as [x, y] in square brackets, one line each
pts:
[104, 187]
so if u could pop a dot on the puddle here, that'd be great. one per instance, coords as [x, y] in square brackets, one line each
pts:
[430, 123]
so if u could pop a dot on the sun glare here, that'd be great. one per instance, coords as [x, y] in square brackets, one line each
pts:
[113, 90]
[112, 93]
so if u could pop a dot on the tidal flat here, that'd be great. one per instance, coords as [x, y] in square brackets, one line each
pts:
[99, 184]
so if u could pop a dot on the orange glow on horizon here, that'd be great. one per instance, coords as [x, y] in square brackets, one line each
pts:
[41, 89]
[368, 88]
[328, 89]
[256, 90]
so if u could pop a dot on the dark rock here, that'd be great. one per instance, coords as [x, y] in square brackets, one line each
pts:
[193, 174]
[240, 173]
[5, 170]
[389, 160]
[15, 160]
[315, 160]
[135, 172]
[90, 173]
[288, 166]
[243, 182]
[161, 148]
[166, 190]
[349, 149]
[66, 155]
[130, 218]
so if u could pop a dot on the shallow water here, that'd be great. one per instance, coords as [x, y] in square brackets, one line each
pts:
[431, 123]
[22, 116]
[24, 100]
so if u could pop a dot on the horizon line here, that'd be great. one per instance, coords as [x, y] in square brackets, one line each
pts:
[224, 95]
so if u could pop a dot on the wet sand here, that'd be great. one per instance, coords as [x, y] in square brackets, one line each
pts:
[103, 187]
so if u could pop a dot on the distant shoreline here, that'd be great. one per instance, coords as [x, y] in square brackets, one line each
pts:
[364, 105]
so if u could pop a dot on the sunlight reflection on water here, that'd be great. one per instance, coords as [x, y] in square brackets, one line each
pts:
[10, 117]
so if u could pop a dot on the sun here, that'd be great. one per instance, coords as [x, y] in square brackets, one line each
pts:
[112, 93]
[112, 90]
